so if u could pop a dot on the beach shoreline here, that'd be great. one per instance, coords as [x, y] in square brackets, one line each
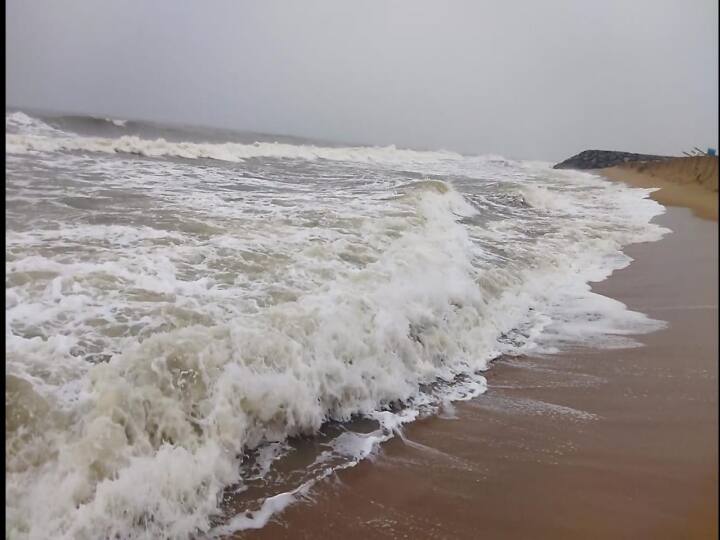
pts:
[590, 443]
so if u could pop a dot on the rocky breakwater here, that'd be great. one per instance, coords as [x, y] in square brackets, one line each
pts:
[600, 159]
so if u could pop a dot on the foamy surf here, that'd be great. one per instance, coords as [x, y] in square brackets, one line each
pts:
[176, 327]
[231, 152]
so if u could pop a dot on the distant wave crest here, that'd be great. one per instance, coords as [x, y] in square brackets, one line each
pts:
[36, 136]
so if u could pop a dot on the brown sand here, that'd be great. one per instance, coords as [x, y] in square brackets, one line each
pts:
[526, 461]
[691, 182]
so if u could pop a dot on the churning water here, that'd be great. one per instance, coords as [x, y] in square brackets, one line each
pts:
[200, 325]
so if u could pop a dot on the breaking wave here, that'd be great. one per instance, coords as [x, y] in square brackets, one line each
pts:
[152, 346]
[51, 140]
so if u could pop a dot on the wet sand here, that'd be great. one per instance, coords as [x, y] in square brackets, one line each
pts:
[584, 444]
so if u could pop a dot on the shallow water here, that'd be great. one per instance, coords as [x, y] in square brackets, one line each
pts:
[208, 321]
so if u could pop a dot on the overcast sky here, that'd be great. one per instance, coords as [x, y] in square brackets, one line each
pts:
[526, 79]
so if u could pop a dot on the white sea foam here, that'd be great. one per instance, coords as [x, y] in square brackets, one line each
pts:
[165, 318]
[231, 152]
[29, 125]
[116, 122]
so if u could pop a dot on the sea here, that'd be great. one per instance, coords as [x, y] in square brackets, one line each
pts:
[202, 324]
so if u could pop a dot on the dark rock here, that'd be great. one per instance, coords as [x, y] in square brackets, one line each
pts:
[600, 159]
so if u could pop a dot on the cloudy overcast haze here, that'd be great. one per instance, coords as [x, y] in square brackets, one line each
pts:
[535, 80]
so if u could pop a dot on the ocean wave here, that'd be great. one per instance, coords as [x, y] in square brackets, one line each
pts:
[145, 360]
[37, 136]
[116, 122]
[232, 152]
[19, 122]
[193, 399]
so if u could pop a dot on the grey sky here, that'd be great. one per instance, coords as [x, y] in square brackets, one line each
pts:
[535, 80]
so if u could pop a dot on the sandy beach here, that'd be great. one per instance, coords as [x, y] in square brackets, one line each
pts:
[584, 444]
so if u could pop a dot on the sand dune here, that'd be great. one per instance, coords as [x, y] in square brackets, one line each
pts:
[686, 181]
